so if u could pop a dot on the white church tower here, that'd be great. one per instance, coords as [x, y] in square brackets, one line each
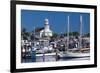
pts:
[46, 32]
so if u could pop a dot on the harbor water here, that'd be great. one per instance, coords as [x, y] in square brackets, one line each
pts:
[52, 58]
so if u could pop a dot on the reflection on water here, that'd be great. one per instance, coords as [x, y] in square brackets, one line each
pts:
[50, 58]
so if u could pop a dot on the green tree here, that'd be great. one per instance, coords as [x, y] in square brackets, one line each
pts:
[75, 33]
[25, 34]
[87, 35]
[55, 35]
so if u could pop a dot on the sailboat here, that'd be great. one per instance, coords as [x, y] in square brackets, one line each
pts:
[77, 54]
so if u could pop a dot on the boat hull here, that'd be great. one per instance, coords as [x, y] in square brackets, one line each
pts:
[77, 55]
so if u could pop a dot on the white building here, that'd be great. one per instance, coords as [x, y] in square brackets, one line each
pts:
[46, 32]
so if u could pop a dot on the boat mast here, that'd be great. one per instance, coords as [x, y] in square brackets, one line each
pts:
[34, 36]
[80, 45]
[67, 34]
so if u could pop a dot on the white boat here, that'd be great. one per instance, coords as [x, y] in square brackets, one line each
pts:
[70, 54]
[78, 54]
[47, 54]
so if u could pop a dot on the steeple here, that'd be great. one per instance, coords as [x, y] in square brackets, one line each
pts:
[46, 21]
[46, 32]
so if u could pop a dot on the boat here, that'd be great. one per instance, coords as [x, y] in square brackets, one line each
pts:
[79, 51]
[74, 55]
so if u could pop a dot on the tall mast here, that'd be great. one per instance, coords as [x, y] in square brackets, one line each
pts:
[80, 32]
[34, 35]
[67, 33]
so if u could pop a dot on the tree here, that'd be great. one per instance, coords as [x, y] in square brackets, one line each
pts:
[70, 34]
[87, 35]
[25, 34]
[38, 29]
[75, 34]
[55, 35]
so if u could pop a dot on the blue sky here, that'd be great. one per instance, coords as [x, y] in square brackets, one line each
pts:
[57, 20]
